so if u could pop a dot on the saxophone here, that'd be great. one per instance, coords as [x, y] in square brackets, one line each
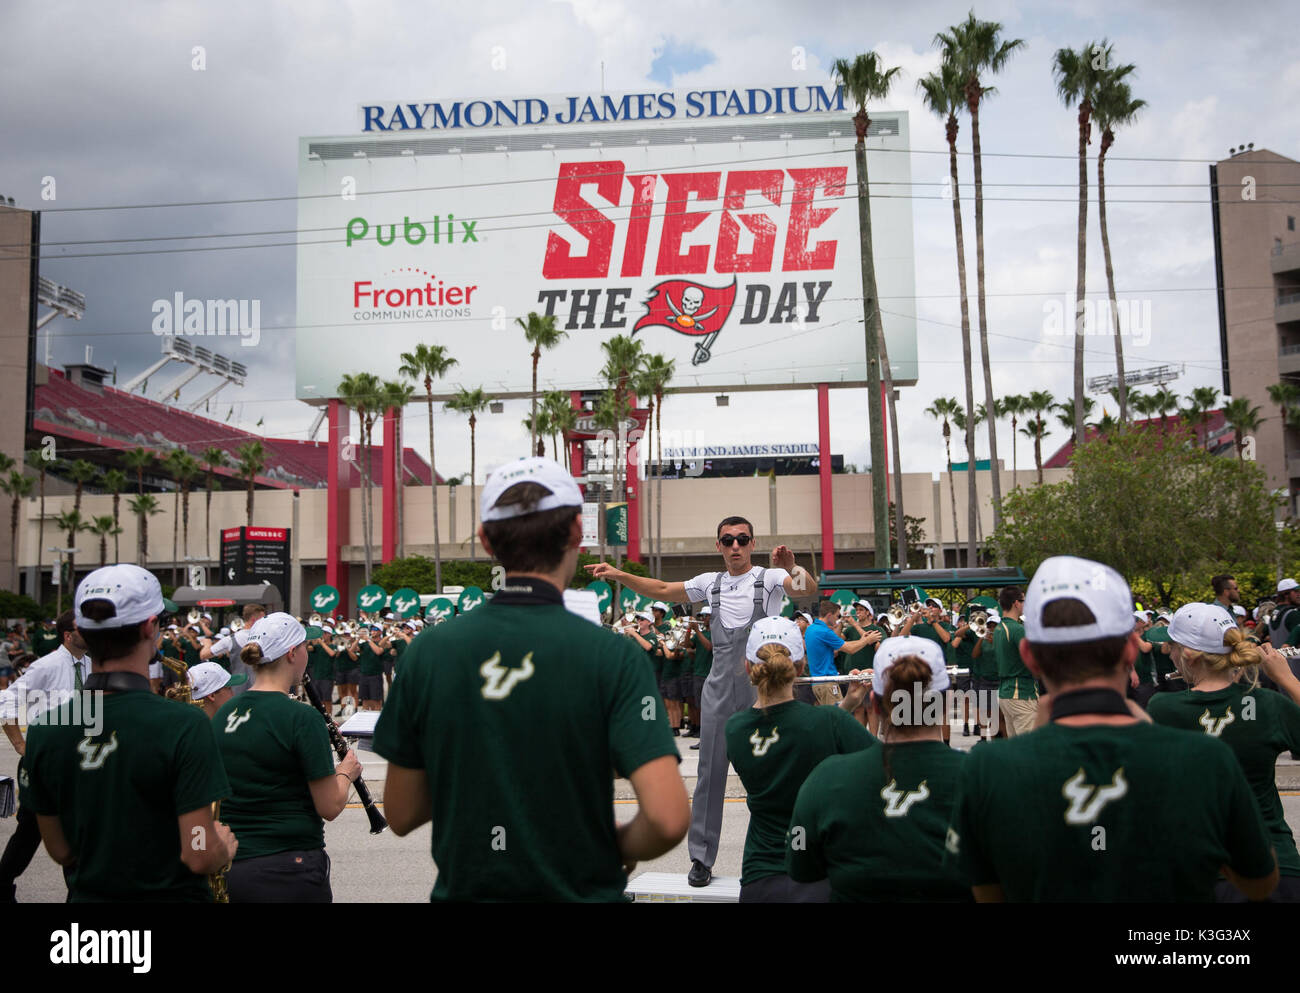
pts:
[182, 693]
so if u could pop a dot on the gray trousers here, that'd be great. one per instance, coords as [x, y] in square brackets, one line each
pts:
[726, 691]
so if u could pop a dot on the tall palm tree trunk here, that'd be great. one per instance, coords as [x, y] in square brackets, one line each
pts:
[887, 378]
[874, 333]
[365, 494]
[176, 529]
[995, 477]
[1015, 481]
[1110, 277]
[659, 484]
[400, 483]
[532, 426]
[972, 494]
[185, 519]
[952, 489]
[1081, 270]
[433, 472]
[207, 520]
[473, 489]
[40, 538]
[1038, 449]
[117, 552]
[103, 550]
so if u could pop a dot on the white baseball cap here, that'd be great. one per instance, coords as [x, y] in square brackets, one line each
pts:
[891, 650]
[133, 592]
[706, 609]
[1287, 584]
[1239, 610]
[1201, 626]
[935, 601]
[1141, 615]
[276, 635]
[644, 615]
[867, 607]
[767, 630]
[545, 472]
[208, 677]
[1101, 589]
[660, 605]
[805, 615]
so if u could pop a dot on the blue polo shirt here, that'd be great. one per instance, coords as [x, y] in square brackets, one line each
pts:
[821, 644]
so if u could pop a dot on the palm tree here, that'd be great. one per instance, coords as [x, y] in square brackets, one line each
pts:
[1038, 403]
[471, 403]
[1244, 420]
[562, 419]
[71, 522]
[213, 459]
[137, 459]
[863, 79]
[943, 410]
[623, 357]
[115, 482]
[185, 468]
[944, 93]
[1165, 402]
[1113, 107]
[541, 333]
[81, 472]
[250, 459]
[171, 462]
[655, 374]
[1078, 77]
[145, 506]
[609, 414]
[361, 392]
[1202, 400]
[103, 526]
[16, 486]
[427, 363]
[539, 429]
[36, 457]
[975, 48]
[1108, 425]
[396, 395]
[1065, 417]
[1013, 406]
[966, 426]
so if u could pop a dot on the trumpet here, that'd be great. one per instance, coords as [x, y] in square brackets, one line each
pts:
[979, 623]
[315, 620]
[193, 617]
[236, 624]
[897, 615]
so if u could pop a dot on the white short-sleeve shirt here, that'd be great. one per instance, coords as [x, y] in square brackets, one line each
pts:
[736, 598]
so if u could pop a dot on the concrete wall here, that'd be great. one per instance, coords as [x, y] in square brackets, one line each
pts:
[15, 307]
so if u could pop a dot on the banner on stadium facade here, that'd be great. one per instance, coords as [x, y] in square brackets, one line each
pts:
[727, 242]
[616, 524]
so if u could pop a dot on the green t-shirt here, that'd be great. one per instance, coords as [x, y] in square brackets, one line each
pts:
[1104, 814]
[862, 659]
[672, 667]
[272, 747]
[44, 642]
[962, 658]
[171, 650]
[1017, 682]
[118, 794]
[320, 664]
[399, 647]
[773, 752]
[370, 661]
[927, 630]
[879, 837]
[522, 714]
[1258, 725]
[703, 656]
[191, 656]
[652, 653]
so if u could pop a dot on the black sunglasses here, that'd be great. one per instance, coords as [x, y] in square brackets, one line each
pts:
[732, 539]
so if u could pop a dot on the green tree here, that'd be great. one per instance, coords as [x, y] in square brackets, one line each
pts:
[250, 460]
[866, 79]
[396, 395]
[623, 357]
[144, 507]
[966, 426]
[1013, 406]
[1209, 510]
[36, 458]
[1114, 107]
[361, 392]
[562, 420]
[943, 410]
[214, 458]
[171, 463]
[1203, 399]
[655, 374]
[471, 403]
[138, 459]
[1079, 75]
[81, 472]
[425, 364]
[115, 482]
[185, 468]
[16, 486]
[1038, 403]
[541, 333]
[976, 50]
[1244, 421]
[103, 526]
[71, 523]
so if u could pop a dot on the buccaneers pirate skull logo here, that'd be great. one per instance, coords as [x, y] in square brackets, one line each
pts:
[691, 309]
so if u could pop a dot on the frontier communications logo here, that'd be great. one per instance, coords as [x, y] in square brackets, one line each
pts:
[410, 293]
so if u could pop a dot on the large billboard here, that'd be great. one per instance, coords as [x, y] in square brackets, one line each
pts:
[729, 244]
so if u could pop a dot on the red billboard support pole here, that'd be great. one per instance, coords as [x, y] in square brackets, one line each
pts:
[339, 483]
[575, 445]
[388, 492]
[824, 474]
[884, 419]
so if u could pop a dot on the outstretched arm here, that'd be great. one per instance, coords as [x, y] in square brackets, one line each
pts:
[646, 586]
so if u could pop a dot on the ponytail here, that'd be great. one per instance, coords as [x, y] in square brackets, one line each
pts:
[907, 689]
[773, 671]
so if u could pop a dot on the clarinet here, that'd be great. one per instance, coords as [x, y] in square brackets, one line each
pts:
[377, 821]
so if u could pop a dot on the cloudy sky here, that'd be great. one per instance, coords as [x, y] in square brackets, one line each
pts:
[105, 99]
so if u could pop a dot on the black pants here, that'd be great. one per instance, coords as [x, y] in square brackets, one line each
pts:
[783, 889]
[18, 854]
[285, 877]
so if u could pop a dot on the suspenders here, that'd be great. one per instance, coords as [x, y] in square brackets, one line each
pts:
[760, 595]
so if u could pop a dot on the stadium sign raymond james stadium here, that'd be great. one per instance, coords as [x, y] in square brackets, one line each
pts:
[601, 108]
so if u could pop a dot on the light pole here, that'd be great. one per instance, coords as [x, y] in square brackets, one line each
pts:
[58, 575]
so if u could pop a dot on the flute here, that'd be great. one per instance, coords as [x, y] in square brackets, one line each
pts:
[861, 677]
[377, 821]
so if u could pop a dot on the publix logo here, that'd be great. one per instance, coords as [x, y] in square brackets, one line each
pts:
[440, 231]
[410, 292]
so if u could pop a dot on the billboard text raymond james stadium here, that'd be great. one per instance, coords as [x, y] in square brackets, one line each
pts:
[723, 238]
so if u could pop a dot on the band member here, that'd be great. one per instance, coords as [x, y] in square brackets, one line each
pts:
[965, 645]
[739, 595]
[774, 745]
[823, 643]
[699, 653]
[873, 823]
[1032, 811]
[1017, 692]
[229, 647]
[49, 682]
[645, 635]
[283, 784]
[1282, 622]
[987, 685]
[348, 672]
[670, 684]
[462, 736]
[211, 685]
[1220, 666]
[371, 651]
[320, 660]
[121, 801]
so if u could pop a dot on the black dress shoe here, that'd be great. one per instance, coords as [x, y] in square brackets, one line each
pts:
[695, 747]
[700, 874]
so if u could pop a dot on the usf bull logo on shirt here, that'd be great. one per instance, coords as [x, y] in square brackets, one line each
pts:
[898, 803]
[498, 680]
[762, 744]
[95, 754]
[1214, 725]
[234, 719]
[1086, 800]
